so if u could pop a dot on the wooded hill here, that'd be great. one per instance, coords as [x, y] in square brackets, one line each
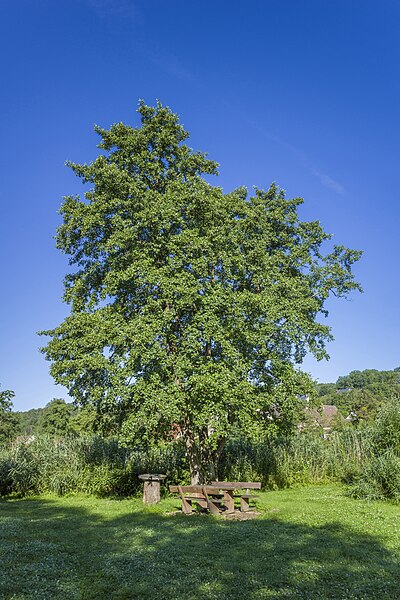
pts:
[360, 393]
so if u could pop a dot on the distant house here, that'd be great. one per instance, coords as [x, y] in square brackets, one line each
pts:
[323, 417]
[351, 417]
[23, 440]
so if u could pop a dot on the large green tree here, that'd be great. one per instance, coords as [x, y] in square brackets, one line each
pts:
[189, 307]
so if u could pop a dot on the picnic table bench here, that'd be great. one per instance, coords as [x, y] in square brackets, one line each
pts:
[206, 496]
[217, 496]
[230, 487]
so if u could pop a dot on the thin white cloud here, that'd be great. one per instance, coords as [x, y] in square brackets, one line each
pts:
[171, 65]
[113, 8]
[325, 180]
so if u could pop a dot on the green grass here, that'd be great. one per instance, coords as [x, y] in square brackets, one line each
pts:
[308, 543]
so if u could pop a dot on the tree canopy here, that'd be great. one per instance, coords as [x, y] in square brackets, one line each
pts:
[9, 426]
[56, 418]
[190, 308]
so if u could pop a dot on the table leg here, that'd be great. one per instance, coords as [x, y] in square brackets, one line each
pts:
[186, 506]
[244, 504]
[229, 501]
[213, 508]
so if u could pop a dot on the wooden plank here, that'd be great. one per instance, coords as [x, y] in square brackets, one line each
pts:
[254, 485]
[185, 488]
[220, 485]
[245, 496]
[186, 504]
[193, 489]
[212, 503]
[229, 501]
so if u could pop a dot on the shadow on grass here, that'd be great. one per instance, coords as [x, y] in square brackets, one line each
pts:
[50, 550]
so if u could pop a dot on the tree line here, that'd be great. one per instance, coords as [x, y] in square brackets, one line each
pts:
[57, 419]
[360, 393]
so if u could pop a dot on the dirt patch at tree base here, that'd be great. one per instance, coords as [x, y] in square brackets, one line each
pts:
[241, 516]
[236, 516]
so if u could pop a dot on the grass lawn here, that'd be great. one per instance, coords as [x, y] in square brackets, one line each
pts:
[307, 543]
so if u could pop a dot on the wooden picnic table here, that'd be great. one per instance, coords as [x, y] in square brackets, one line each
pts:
[229, 487]
[216, 496]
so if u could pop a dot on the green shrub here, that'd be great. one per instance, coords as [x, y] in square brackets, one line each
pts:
[380, 479]
[6, 482]
[386, 429]
[380, 475]
[93, 465]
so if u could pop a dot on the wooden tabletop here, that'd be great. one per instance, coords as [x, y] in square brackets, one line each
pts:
[218, 485]
[235, 485]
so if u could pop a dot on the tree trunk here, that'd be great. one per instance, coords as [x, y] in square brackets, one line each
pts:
[195, 466]
[203, 463]
[214, 465]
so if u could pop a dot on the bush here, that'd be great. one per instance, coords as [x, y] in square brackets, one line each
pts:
[6, 482]
[380, 479]
[386, 430]
[93, 465]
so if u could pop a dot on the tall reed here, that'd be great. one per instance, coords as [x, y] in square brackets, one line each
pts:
[302, 459]
[93, 465]
[85, 465]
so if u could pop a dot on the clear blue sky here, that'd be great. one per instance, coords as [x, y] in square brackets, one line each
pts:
[306, 94]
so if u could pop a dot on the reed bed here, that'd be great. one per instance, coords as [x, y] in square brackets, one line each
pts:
[102, 467]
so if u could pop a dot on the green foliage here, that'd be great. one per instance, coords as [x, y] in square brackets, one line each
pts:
[9, 424]
[362, 402]
[363, 379]
[6, 480]
[380, 477]
[189, 307]
[83, 420]
[362, 393]
[97, 466]
[6, 400]
[386, 430]
[325, 390]
[29, 421]
[301, 459]
[9, 427]
[56, 418]
[24, 469]
[85, 464]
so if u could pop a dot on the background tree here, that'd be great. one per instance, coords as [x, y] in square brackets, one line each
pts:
[79, 420]
[84, 420]
[56, 418]
[29, 421]
[9, 424]
[189, 307]
[368, 377]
